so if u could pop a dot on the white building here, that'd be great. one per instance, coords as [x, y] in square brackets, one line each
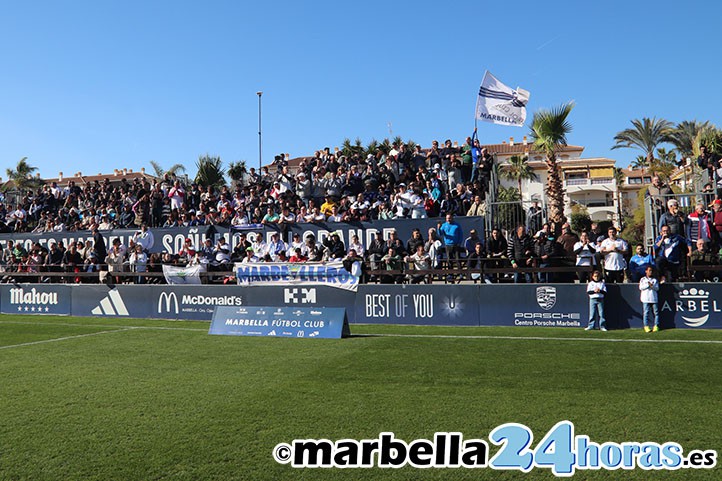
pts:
[587, 181]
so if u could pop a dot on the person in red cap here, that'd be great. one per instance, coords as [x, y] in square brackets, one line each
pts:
[187, 252]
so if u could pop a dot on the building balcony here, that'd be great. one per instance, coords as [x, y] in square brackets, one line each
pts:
[583, 182]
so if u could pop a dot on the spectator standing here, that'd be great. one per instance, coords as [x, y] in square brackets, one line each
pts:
[535, 218]
[708, 162]
[698, 225]
[544, 255]
[648, 287]
[674, 218]
[452, 236]
[659, 193]
[614, 249]
[596, 289]
[585, 251]
[176, 195]
[716, 219]
[520, 252]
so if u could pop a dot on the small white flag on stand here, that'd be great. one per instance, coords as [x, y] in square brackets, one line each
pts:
[499, 104]
[183, 275]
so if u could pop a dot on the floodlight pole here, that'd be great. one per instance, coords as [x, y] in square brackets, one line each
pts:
[259, 130]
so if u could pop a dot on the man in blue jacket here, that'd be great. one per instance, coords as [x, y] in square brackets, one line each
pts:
[452, 236]
[670, 249]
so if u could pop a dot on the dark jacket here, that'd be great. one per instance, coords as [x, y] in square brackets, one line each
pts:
[519, 249]
[676, 223]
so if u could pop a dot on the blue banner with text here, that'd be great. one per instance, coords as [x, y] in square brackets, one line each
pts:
[326, 323]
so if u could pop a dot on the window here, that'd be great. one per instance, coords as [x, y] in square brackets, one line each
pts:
[634, 180]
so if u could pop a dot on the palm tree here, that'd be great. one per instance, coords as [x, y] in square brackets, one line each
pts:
[646, 135]
[160, 172]
[640, 162]
[372, 147]
[549, 130]
[210, 171]
[22, 177]
[686, 137]
[518, 169]
[349, 149]
[385, 146]
[237, 172]
[712, 139]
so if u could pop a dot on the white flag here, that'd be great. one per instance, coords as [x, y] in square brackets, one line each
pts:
[499, 104]
[182, 275]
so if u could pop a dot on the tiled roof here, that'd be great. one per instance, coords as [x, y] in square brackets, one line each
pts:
[521, 148]
[117, 176]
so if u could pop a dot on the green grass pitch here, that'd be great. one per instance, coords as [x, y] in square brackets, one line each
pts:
[110, 399]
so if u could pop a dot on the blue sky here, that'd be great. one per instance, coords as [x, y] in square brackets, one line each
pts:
[93, 86]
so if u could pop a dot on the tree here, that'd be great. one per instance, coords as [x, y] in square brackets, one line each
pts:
[210, 171]
[645, 135]
[160, 172]
[686, 137]
[22, 177]
[712, 139]
[237, 172]
[549, 131]
[350, 149]
[664, 164]
[372, 147]
[640, 162]
[518, 169]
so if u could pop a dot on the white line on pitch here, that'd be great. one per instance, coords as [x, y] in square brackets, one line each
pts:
[431, 336]
[539, 338]
[45, 341]
[70, 324]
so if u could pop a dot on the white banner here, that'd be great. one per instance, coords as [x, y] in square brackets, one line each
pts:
[499, 104]
[332, 274]
[183, 275]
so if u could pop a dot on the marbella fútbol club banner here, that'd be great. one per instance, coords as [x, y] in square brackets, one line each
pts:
[173, 239]
[332, 274]
[272, 321]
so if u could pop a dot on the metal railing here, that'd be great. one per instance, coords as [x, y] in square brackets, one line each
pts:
[655, 206]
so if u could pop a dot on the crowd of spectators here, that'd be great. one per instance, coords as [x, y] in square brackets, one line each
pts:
[440, 182]
[404, 183]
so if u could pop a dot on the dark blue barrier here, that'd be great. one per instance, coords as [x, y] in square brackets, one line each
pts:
[198, 302]
[304, 322]
[694, 305]
[545, 305]
[35, 299]
[119, 302]
[688, 305]
[418, 304]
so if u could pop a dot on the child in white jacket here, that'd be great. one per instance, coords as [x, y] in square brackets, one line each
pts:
[648, 287]
[597, 289]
